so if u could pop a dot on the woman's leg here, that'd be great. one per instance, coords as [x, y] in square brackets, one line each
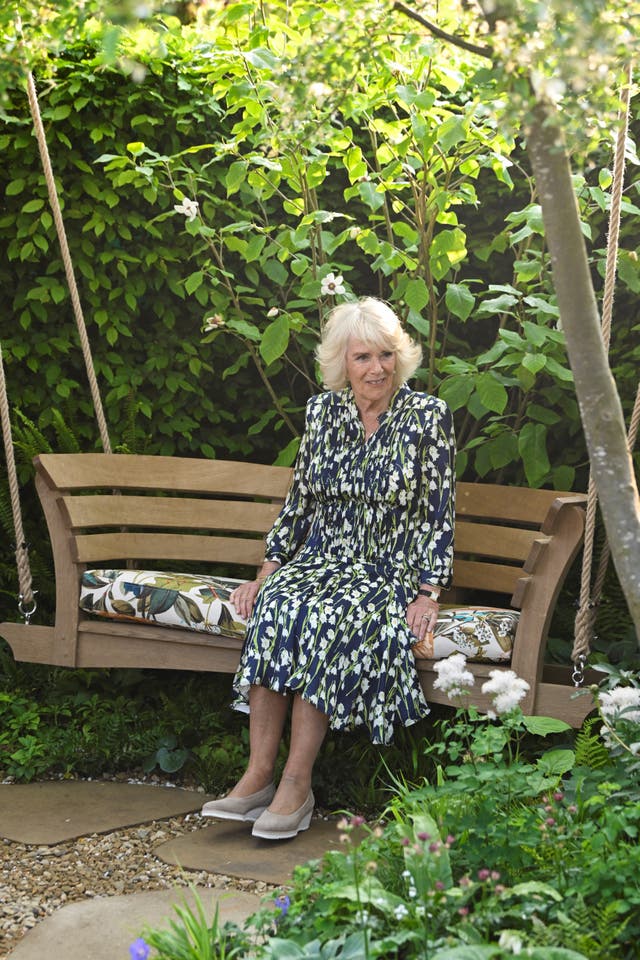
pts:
[267, 714]
[308, 729]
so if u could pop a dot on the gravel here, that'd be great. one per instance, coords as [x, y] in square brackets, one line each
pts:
[35, 881]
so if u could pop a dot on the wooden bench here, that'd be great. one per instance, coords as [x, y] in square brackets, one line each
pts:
[513, 546]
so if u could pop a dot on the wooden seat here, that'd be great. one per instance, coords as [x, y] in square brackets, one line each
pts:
[513, 546]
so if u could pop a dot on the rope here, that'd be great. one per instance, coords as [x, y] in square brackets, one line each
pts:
[587, 609]
[66, 259]
[27, 599]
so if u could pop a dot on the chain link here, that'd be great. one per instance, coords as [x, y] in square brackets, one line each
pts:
[578, 671]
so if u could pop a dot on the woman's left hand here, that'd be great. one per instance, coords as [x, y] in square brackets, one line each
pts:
[422, 616]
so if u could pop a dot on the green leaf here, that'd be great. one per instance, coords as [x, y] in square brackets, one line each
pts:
[501, 304]
[556, 762]
[543, 726]
[287, 456]
[455, 391]
[491, 392]
[275, 339]
[194, 281]
[416, 294]
[534, 362]
[236, 175]
[459, 300]
[32, 206]
[448, 248]
[532, 446]
[275, 271]
[14, 187]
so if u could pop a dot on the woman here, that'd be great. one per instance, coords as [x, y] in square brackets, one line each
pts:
[353, 567]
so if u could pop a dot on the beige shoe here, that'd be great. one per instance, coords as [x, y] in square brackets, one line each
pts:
[240, 808]
[281, 826]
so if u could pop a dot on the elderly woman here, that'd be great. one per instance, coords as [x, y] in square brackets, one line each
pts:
[353, 567]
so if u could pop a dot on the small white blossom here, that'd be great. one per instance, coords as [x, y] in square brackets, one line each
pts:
[188, 207]
[401, 912]
[273, 312]
[453, 675]
[332, 285]
[507, 688]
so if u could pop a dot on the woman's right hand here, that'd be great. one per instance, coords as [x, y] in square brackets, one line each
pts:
[244, 596]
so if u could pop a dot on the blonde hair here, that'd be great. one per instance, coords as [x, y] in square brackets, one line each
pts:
[373, 322]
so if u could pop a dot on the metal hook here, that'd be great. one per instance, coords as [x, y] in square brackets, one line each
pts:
[27, 614]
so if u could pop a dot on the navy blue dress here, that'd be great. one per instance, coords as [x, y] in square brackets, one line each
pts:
[364, 522]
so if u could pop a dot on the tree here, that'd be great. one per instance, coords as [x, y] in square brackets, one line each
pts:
[553, 63]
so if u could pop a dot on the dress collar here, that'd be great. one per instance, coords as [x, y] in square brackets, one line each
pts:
[397, 399]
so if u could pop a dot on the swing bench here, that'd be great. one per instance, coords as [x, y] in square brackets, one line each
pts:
[513, 548]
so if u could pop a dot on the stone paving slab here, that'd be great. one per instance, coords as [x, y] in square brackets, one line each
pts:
[103, 928]
[227, 847]
[54, 811]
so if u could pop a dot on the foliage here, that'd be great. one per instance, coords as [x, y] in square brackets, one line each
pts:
[313, 142]
[500, 852]
[191, 937]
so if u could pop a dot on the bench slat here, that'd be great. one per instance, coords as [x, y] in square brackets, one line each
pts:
[505, 543]
[509, 504]
[78, 471]
[111, 547]
[104, 510]
[492, 577]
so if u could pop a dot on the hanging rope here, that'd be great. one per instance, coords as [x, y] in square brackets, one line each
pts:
[585, 618]
[66, 259]
[26, 603]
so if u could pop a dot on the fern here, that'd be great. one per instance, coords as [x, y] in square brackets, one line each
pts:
[594, 931]
[589, 748]
[28, 439]
[67, 442]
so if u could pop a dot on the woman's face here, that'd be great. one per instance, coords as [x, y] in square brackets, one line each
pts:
[370, 371]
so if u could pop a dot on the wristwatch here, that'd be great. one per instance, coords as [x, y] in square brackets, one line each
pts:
[433, 593]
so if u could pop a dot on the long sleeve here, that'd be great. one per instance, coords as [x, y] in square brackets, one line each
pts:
[292, 523]
[434, 540]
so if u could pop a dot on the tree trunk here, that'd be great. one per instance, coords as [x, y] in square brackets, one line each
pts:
[600, 408]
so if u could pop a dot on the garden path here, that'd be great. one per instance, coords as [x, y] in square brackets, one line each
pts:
[85, 865]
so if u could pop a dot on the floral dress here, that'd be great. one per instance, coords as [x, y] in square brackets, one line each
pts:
[363, 523]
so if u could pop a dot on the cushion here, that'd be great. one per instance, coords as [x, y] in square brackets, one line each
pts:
[201, 603]
[170, 599]
[482, 634]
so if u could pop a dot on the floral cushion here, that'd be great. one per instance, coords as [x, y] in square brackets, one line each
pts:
[202, 603]
[170, 599]
[480, 633]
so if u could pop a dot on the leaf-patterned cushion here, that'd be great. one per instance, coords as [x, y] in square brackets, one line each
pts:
[202, 603]
[482, 634]
[170, 599]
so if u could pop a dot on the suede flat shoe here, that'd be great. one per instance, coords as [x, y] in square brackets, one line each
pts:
[281, 826]
[240, 808]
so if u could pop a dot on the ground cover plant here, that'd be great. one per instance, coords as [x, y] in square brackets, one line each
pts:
[500, 851]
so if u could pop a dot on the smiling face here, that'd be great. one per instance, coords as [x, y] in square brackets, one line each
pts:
[370, 371]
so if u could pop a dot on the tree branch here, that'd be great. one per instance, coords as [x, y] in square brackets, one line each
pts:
[442, 34]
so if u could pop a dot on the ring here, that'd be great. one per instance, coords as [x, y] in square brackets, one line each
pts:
[425, 617]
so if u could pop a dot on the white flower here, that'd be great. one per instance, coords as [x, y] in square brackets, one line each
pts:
[189, 208]
[507, 687]
[401, 912]
[453, 675]
[621, 703]
[331, 285]
[510, 940]
[273, 312]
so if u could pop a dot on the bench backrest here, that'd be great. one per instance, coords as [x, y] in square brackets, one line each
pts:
[162, 511]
